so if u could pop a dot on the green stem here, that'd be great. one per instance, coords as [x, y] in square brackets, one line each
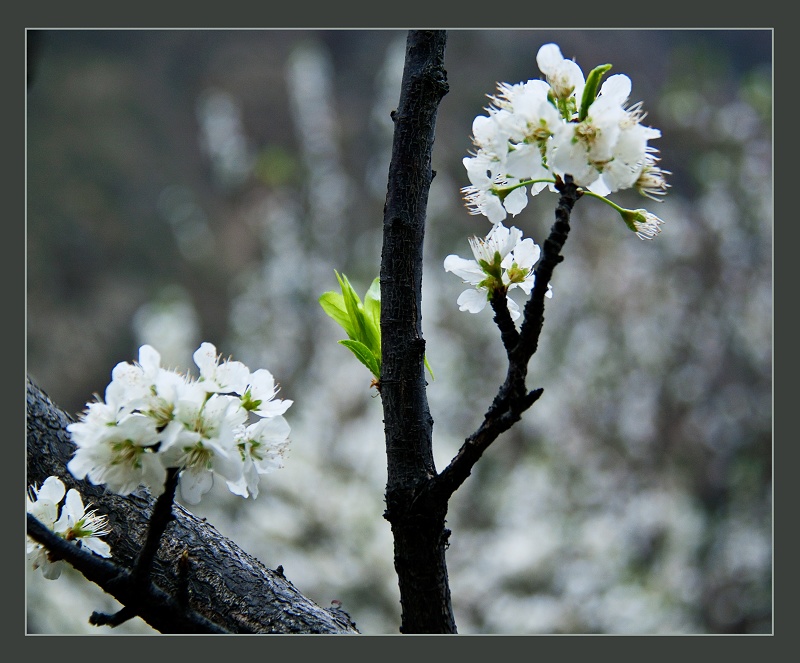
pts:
[503, 191]
[605, 200]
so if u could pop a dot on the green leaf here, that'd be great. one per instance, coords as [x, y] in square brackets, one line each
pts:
[333, 304]
[591, 88]
[365, 356]
[372, 314]
[361, 322]
[364, 329]
[372, 303]
[354, 308]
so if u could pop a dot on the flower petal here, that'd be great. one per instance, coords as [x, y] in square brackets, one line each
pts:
[468, 270]
[473, 301]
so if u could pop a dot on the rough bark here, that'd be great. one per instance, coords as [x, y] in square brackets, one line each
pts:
[225, 585]
[418, 525]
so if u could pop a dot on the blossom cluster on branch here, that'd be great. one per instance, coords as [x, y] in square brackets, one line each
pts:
[503, 261]
[560, 126]
[153, 419]
[535, 135]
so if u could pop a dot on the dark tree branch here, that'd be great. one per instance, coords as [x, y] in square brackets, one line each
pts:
[140, 576]
[420, 537]
[512, 398]
[416, 496]
[161, 517]
[502, 318]
[227, 587]
[551, 256]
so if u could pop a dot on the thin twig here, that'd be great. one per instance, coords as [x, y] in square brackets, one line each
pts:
[162, 516]
[512, 397]
[502, 318]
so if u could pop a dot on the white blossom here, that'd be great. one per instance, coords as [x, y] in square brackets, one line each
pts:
[535, 132]
[82, 526]
[485, 196]
[645, 224]
[73, 523]
[217, 375]
[503, 261]
[259, 395]
[564, 76]
[154, 419]
[119, 455]
[262, 447]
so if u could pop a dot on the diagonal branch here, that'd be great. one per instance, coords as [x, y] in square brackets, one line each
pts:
[161, 517]
[140, 576]
[551, 256]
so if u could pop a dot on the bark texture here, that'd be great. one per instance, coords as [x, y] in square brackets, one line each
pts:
[418, 525]
[224, 585]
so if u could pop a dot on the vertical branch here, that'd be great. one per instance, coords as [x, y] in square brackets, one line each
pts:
[417, 525]
[410, 175]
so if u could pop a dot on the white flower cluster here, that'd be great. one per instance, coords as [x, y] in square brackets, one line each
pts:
[545, 128]
[536, 133]
[153, 419]
[503, 261]
[72, 523]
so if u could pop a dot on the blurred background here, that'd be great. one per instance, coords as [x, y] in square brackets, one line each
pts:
[203, 185]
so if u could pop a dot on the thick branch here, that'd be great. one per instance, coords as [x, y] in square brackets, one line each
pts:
[420, 537]
[407, 417]
[226, 586]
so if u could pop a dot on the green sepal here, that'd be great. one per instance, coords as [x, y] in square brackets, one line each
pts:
[365, 356]
[591, 88]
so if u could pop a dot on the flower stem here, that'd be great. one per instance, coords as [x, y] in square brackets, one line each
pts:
[503, 191]
[604, 199]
